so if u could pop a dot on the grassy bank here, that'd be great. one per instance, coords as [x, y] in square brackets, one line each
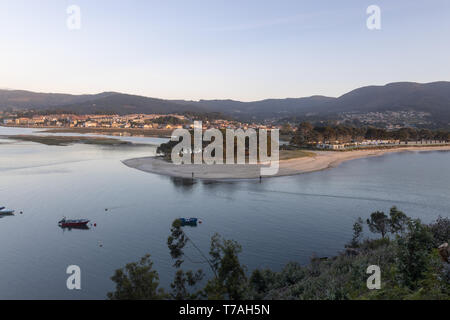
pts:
[294, 154]
[284, 155]
[161, 133]
[64, 141]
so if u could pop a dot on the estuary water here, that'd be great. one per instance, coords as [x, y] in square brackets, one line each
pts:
[279, 220]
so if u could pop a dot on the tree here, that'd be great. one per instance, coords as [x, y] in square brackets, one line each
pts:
[169, 120]
[402, 134]
[182, 281]
[398, 221]
[176, 243]
[286, 129]
[305, 127]
[413, 254]
[378, 223]
[440, 230]
[258, 281]
[304, 134]
[425, 134]
[230, 282]
[357, 232]
[137, 281]
[329, 134]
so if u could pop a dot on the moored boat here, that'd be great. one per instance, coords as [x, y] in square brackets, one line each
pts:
[67, 223]
[4, 212]
[188, 221]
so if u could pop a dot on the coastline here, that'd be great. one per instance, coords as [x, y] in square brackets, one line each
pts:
[152, 133]
[321, 161]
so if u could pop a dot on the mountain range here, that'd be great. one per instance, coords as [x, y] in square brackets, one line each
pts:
[432, 98]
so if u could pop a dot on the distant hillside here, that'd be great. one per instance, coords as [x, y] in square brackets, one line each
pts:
[433, 98]
[20, 99]
[270, 108]
[120, 103]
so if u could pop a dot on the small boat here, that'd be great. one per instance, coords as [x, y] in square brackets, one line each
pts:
[80, 223]
[189, 221]
[4, 212]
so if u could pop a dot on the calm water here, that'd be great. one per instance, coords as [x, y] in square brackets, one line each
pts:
[281, 219]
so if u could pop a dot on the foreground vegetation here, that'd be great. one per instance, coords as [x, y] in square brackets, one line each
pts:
[411, 267]
[64, 141]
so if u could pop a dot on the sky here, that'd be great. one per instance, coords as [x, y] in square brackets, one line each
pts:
[209, 49]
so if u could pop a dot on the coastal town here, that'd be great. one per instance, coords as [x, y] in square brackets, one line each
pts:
[322, 137]
[388, 119]
[130, 121]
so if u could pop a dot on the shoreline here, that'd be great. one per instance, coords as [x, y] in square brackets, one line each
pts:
[132, 132]
[321, 161]
[67, 140]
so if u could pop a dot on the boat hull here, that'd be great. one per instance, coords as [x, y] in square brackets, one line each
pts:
[73, 224]
[7, 213]
[189, 222]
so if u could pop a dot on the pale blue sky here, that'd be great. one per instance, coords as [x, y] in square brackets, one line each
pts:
[243, 50]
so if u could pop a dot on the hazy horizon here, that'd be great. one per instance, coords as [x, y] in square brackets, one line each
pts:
[263, 99]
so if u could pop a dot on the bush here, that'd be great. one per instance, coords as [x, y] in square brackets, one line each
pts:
[440, 230]
[413, 254]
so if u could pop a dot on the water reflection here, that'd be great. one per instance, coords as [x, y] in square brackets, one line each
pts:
[75, 228]
[184, 183]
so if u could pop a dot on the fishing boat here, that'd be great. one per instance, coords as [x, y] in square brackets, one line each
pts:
[189, 221]
[79, 223]
[4, 212]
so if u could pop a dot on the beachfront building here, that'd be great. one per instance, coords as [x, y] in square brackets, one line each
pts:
[331, 146]
[337, 145]
[90, 124]
[379, 142]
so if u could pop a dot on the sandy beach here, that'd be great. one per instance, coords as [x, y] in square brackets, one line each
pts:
[321, 161]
